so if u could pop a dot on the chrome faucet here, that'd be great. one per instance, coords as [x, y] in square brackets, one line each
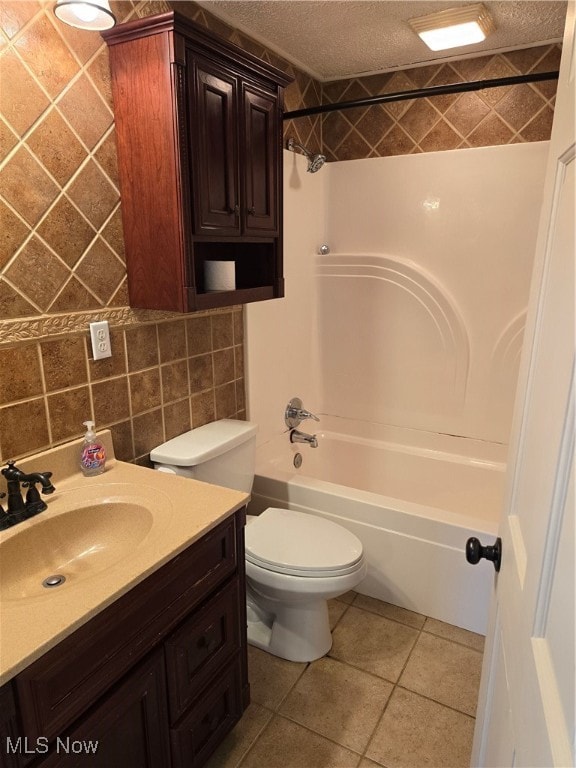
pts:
[18, 509]
[301, 437]
[295, 413]
[293, 416]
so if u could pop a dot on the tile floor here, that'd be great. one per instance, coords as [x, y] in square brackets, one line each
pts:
[397, 690]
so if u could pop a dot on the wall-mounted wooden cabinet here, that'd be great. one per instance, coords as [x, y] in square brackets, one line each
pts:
[199, 133]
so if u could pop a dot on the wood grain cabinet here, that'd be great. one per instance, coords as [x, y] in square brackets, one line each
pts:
[156, 680]
[199, 134]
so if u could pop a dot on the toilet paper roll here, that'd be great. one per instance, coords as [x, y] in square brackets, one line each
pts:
[219, 276]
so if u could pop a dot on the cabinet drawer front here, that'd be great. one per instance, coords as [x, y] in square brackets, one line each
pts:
[201, 646]
[57, 688]
[206, 724]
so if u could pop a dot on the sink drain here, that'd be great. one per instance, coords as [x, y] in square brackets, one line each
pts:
[53, 581]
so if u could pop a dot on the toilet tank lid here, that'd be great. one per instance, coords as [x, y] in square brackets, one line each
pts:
[204, 443]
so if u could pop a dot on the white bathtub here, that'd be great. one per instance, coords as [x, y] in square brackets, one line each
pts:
[413, 498]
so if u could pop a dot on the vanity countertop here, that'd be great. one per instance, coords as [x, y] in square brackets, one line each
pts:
[119, 528]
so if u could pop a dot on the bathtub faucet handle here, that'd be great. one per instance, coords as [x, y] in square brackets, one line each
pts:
[307, 415]
[295, 413]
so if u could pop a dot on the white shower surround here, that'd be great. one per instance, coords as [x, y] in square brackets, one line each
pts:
[415, 318]
[395, 323]
[465, 220]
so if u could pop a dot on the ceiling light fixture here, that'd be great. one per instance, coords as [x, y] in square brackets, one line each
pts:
[454, 27]
[92, 15]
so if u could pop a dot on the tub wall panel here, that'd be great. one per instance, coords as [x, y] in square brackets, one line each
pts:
[461, 221]
[416, 316]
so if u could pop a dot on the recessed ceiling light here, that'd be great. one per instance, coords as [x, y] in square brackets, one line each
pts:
[454, 27]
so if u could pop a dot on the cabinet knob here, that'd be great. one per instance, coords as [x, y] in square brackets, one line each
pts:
[235, 210]
[211, 721]
[208, 644]
[252, 211]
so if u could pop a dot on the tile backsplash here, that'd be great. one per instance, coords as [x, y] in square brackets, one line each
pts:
[162, 379]
[62, 260]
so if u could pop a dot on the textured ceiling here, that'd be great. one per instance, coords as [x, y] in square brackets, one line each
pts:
[333, 39]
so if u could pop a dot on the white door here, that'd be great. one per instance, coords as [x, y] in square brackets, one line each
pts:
[526, 714]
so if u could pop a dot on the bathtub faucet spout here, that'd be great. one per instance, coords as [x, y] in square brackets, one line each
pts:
[301, 437]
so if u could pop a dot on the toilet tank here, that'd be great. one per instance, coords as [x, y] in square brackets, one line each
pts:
[222, 452]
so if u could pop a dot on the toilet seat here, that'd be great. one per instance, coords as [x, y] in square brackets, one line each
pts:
[298, 544]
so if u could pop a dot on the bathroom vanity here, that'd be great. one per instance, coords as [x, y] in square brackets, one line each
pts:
[151, 663]
[199, 136]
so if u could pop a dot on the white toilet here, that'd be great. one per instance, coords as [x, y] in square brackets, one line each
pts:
[295, 562]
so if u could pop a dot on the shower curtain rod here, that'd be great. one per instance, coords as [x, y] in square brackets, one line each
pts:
[434, 90]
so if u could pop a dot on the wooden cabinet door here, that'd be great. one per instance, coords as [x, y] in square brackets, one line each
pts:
[214, 151]
[129, 728]
[11, 741]
[261, 158]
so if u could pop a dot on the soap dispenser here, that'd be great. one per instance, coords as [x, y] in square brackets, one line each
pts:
[93, 453]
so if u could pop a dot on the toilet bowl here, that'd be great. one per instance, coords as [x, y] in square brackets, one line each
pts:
[295, 562]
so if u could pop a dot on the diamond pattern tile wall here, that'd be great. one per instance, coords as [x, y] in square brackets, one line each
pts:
[506, 115]
[59, 188]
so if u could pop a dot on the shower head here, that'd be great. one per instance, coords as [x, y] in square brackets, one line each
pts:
[315, 162]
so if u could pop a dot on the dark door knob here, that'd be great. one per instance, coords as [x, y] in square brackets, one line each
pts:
[475, 552]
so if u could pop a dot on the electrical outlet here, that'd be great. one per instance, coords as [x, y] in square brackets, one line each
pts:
[100, 336]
